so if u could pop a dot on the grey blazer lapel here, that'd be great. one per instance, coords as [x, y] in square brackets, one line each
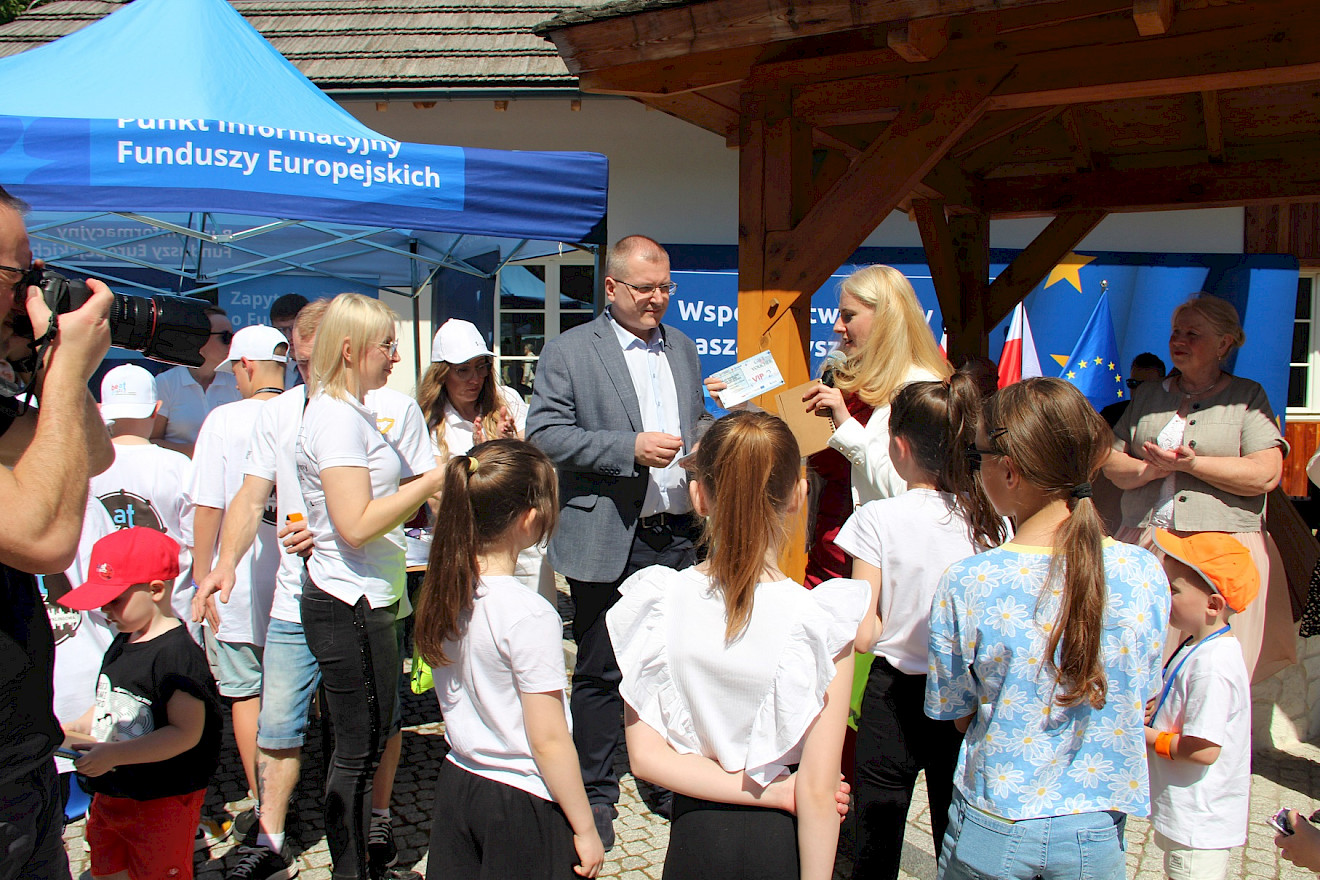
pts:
[611, 355]
[684, 382]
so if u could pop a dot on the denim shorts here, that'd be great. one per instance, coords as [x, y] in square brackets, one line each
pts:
[286, 692]
[1082, 846]
[235, 665]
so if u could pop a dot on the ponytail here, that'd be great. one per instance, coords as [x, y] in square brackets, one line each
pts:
[748, 465]
[485, 493]
[1058, 441]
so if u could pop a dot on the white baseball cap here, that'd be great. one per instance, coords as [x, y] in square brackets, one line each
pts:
[128, 392]
[457, 342]
[256, 342]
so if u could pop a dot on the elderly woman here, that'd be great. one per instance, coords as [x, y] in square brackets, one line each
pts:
[1197, 453]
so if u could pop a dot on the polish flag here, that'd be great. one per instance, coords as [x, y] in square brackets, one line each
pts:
[1018, 360]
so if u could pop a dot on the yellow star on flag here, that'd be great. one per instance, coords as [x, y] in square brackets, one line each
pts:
[1120, 393]
[1111, 365]
[1118, 378]
[1069, 269]
[1082, 364]
[1072, 375]
[1099, 361]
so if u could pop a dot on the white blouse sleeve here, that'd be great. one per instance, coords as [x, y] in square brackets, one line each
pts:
[636, 626]
[805, 670]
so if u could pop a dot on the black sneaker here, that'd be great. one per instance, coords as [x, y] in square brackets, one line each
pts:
[395, 874]
[247, 825]
[382, 852]
[261, 863]
[603, 814]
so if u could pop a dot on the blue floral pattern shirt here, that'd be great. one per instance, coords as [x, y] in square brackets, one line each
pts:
[1025, 756]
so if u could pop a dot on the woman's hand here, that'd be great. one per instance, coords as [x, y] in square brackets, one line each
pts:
[1302, 847]
[821, 397]
[507, 428]
[782, 795]
[590, 853]
[1182, 458]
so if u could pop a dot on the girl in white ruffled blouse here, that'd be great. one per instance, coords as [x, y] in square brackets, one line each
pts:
[733, 674]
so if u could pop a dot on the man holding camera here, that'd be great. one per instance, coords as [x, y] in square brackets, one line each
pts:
[48, 455]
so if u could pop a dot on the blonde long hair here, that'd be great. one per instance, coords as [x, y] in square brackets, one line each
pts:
[361, 321]
[900, 337]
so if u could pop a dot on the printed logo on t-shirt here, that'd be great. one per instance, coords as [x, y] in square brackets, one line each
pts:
[119, 715]
[384, 424]
[270, 516]
[64, 622]
[128, 510]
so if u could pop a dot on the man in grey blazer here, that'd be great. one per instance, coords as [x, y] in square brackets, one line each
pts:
[617, 402]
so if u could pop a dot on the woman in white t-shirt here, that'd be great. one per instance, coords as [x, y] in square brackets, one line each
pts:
[901, 546]
[509, 799]
[731, 660]
[350, 479]
[465, 404]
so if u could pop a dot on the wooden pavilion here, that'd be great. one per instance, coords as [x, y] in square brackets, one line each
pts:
[959, 111]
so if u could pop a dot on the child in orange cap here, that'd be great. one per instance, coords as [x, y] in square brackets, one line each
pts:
[1199, 727]
[156, 723]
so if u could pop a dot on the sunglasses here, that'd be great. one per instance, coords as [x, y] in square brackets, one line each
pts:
[975, 455]
[226, 336]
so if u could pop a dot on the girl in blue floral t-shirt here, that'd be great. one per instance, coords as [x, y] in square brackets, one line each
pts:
[1047, 648]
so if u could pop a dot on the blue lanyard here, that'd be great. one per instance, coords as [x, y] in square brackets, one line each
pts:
[1169, 679]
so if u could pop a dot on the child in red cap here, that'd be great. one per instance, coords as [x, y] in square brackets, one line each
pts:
[1199, 727]
[155, 728]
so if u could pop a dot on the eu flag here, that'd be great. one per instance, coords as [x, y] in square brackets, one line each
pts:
[1094, 366]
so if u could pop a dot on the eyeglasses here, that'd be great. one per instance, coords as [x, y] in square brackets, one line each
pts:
[975, 455]
[647, 289]
[32, 275]
[226, 336]
[391, 348]
[1133, 384]
[464, 372]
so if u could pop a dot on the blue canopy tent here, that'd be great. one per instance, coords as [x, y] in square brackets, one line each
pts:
[169, 147]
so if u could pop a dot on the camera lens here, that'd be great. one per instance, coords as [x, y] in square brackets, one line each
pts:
[171, 329]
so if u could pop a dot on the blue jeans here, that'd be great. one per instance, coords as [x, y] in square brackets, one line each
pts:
[288, 683]
[1084, 846]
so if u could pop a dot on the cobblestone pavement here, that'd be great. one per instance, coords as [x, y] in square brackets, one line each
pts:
[1279, 779]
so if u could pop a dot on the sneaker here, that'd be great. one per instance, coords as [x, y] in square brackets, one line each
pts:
[382, 852]
[247, 825]
[604, 816]
[261, 863]
[395, 874]
[210, 832]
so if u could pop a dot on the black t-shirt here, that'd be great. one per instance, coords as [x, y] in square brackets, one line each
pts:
[135, 685]
[29, 731]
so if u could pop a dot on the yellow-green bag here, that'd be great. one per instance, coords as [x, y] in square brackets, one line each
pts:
[861, 671]
[421, 680]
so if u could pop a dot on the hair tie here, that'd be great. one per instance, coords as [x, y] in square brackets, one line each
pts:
[1081, 490]
[473, 464]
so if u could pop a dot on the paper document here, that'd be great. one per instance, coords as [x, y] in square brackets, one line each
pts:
[747, 379]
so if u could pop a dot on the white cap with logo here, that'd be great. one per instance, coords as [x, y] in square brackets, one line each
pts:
[256, 342]
[128, 392]
[457, 342]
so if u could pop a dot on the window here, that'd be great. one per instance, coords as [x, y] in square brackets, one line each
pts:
[1304, 359]
[538, 300]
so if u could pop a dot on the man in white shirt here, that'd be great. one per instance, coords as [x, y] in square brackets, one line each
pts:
[617, 403]
[145, 486]
[291, 672]
[187, 394]
[234, 648]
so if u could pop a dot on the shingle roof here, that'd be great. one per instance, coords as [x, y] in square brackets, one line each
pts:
[583, 14]
[401, 44]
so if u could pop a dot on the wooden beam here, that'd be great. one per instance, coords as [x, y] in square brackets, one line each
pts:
[1293, 179]
[1077, 138]
[999, 125]
[1152, 17]
[937, 241]
[701, 111]
[938, 111]
[971, 251]
[1214, 126]
[996, 153]
[920, 39]
[949, 181]
[1031, 266]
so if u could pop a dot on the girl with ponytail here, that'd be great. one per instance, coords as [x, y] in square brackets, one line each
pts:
[1045, 650]
[497, 656]
[901, 546]
[732, 673]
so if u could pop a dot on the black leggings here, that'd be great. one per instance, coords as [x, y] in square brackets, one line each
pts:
[896, 740]
[712, 841]
[358, 652]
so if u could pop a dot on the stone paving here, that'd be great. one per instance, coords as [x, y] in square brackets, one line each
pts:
[1280, 778]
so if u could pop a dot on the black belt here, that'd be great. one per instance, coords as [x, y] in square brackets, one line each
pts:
[658, 521]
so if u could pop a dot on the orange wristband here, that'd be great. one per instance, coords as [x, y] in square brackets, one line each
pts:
[1163, 744]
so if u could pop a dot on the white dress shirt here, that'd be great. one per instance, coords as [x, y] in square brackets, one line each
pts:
[657, 396]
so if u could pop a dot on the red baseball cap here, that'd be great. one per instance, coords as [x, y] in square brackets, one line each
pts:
[120, 560]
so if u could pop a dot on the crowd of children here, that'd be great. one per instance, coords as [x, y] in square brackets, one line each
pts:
[1019, 653]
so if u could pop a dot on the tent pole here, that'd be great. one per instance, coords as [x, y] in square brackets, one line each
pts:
[416, 314]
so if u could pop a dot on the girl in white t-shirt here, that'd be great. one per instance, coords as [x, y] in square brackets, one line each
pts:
[901, 546]
[731, 660]
[509, 798]
[350, 480]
